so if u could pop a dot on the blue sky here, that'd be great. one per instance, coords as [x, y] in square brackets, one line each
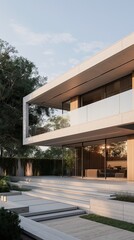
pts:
[59, 34]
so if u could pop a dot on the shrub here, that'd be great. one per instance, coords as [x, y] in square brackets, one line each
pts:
[125, 197]
[9, 225]
[4, 184]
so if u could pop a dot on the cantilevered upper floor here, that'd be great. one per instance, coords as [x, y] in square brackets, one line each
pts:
[95, 100]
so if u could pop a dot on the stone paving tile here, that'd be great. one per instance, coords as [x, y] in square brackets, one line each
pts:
[33, 202]
[27, 197]
[17, 198]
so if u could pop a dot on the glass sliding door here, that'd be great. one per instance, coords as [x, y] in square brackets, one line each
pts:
[105, 158]
[117, 157]
[94, 159]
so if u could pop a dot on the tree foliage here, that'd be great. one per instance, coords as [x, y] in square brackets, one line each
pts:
[9, 225]
[54, 153]
[54, 123]
[18, 77]
[58, 153]
[57, 122]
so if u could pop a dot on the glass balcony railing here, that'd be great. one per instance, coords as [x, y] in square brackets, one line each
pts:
[56, 121]
[107, 107]
[120, 103]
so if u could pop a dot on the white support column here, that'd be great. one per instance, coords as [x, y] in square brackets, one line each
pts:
[25, 120]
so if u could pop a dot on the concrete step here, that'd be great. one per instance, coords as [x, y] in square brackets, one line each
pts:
[57, 215]
[59, 185]
[81, 187]
[42, 232]
[75, 183]
[101, 184]
[58, 195]
[78, 190]
[74, 196]
[70, 190]
[31, 214]
[81, 203]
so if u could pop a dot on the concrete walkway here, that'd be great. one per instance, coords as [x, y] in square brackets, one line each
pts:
[36, 204]
[88, 230]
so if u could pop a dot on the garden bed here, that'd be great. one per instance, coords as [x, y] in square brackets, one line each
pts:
[110, 221]
[125, 197]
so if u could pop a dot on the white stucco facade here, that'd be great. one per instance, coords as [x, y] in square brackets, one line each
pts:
[110, 117]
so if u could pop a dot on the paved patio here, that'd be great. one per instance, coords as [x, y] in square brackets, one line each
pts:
[38, 200]
[69, 228]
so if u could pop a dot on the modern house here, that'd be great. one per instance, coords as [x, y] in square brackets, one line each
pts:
[95, 101]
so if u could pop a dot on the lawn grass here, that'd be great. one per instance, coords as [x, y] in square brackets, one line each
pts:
[110, 221]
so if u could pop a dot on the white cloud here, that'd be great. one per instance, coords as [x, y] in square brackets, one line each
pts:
[48, 52]
[33, 38]
[49, 63]
[62, 63]
[91, 47]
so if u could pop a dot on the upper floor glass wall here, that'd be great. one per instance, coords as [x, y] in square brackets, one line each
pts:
[66, 106]
[111, 89]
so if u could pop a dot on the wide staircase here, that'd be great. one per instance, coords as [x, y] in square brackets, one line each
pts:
[54, 214]
[73, 191]
[76, 196]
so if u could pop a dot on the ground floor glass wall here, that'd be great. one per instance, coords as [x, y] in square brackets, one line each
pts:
[101, 159]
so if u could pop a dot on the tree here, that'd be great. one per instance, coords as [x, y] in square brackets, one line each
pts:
[53, 153]
[57, 122]
[18, 77]
[69, 156]
[58, 153]
[54, 123]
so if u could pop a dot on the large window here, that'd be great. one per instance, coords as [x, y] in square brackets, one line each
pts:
[93, 96]
[121, 85]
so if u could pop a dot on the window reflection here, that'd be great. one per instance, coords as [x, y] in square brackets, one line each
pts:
[98, 163]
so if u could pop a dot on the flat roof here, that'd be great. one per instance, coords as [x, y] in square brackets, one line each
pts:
[106, 66]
